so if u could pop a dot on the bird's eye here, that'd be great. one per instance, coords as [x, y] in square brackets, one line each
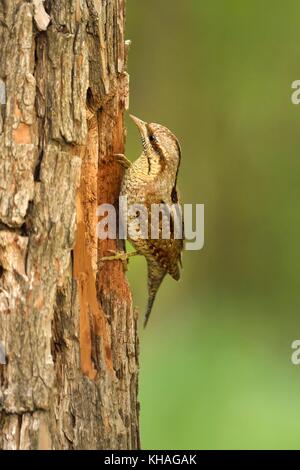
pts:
[151, 138]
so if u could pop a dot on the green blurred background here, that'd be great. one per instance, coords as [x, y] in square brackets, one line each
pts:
[216, 369]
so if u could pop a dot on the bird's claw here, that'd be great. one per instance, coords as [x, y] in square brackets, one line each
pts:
[119, 256]
[122, 160]
[116, 256]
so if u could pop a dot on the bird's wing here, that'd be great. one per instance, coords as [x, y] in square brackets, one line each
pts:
[167, 252]
[168, 255]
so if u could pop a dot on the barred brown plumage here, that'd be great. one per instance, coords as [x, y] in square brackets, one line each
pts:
[152, 179]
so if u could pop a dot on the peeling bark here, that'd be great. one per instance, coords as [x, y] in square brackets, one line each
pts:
[66, 321]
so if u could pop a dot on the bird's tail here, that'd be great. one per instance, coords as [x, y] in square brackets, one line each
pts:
[155, 278]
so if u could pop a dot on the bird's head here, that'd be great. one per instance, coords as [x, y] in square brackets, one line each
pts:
[159, 142]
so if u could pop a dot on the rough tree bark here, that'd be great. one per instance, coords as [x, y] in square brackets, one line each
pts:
[66, 321]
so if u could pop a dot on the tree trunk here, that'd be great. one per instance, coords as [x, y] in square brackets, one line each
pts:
[67, 325]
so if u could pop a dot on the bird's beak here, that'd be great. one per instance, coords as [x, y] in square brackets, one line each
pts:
[141, 125]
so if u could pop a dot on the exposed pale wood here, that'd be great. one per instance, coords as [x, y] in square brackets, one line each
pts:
[66, 322]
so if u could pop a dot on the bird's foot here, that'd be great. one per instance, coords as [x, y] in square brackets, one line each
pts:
[119, 256]
[122, 160]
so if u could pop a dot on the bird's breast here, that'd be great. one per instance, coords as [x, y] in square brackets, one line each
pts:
[135, 180]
